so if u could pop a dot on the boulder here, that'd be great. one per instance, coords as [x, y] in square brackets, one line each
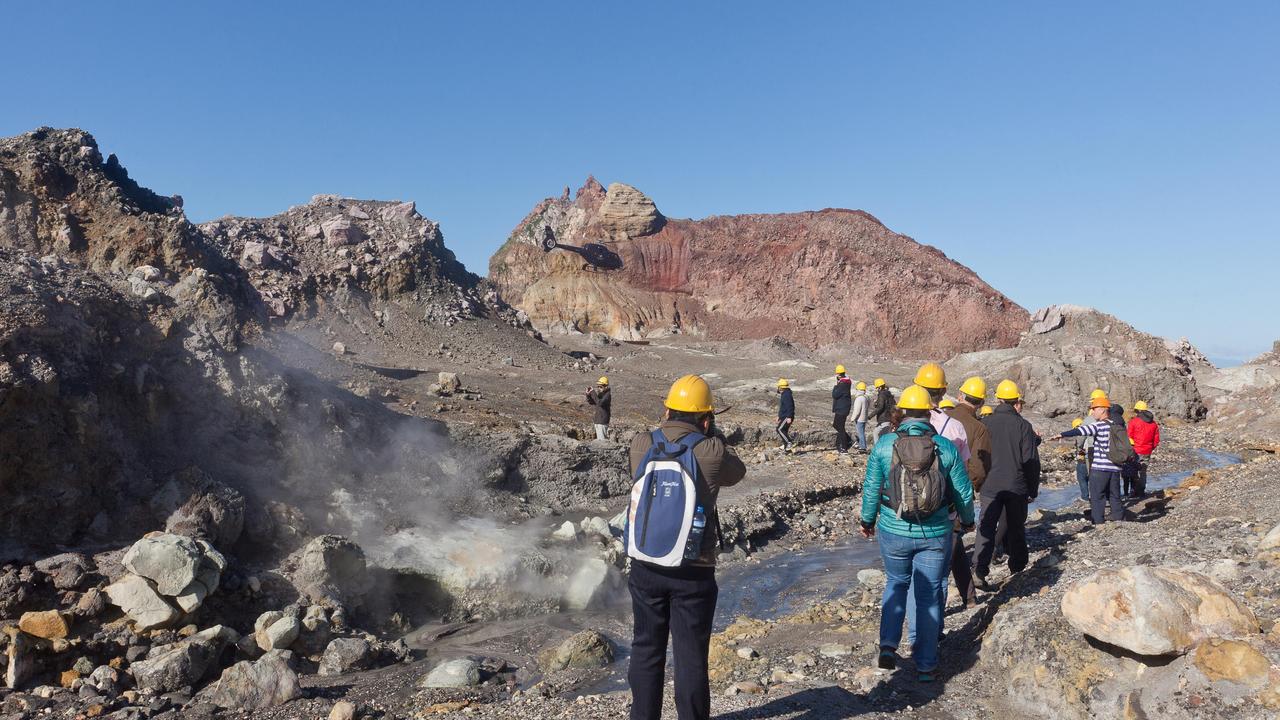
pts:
[169, 668]
[276, 630]
[871, 578]
[333, 568]
[597, 526]
[628, 213]
[138, 598]
[67, 570]
[591, 585]
[587, 649]
[21, 657]
[449, 383]
[168, 560]
[1233, 661]
[566, 532]
[339, 231]
[343, 710]
[1271, 540]
[1154, 611]
[200, 507]
[463, 672]
[346, 654]
[254, 685]
[49, 625]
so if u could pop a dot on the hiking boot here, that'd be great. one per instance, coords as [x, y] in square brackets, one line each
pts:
[888, 659]
[980, 582]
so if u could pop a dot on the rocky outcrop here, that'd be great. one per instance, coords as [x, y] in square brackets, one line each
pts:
[817, 278]
[1071, 350]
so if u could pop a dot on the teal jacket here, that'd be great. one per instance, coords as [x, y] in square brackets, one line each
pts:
[953, 470]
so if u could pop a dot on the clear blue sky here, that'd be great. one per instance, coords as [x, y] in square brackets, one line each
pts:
[1120, 155]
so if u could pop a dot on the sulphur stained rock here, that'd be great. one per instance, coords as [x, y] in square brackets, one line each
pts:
[587, 649]
[1154, 611]
[169, 560]
[138, 598]
[49, 624]
[1232, 660]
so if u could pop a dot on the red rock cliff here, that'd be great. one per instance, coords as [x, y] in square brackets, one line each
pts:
[817, 278]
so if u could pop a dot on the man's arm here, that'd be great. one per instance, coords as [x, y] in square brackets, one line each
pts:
[720, 466]
[1031, 460]
[872, 487]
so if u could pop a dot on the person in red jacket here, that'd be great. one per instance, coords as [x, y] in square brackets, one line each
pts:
[1144, 433]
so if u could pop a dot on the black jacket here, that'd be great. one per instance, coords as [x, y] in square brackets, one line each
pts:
[603, 400]
[841, 396]
[786, 405]
[882, 407]
[1015, 457]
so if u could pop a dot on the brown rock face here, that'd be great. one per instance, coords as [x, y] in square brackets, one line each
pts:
[816, 278]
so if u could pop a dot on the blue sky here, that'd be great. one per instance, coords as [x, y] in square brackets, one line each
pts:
[1119, 155]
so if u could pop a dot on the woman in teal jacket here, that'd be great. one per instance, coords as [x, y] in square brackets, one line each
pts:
[908, 547]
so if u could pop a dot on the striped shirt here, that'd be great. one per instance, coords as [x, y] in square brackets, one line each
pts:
[1101, 434]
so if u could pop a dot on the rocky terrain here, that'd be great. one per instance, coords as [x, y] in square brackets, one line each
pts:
[831, 277]
[308, 466]
[1242, 399]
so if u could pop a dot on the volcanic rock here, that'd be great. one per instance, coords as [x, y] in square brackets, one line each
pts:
[1232, 660]
[346, 654]
[1154, 611]
[332, 567]
[49, 625]
[184, 663]
[67, 570]
[263, 683]
[587, 649]
[453, 674]
[168, 560]
[138, 598]
[816, 278]
[276, 630]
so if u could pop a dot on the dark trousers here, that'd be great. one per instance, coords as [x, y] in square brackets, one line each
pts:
[1104, 485]
[1082, 479]
[960, 571]
[1140, 482]
[784, 431]
[679, 602]
[1012, 507]
[843, 441]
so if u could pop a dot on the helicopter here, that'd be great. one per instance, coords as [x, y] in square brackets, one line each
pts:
[599, 258]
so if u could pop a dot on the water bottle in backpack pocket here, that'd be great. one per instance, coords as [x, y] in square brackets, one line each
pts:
[916, 488]
[666, 519]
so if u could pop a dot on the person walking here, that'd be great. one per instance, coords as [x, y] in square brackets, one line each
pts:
[1104, 475]
[680, 602]
[972, 393]
[914, 529]
[860, 414]
[602, 398]
[786, 414]
[882, 407]
[1012, 482]
[841, 405]
[1144, 433]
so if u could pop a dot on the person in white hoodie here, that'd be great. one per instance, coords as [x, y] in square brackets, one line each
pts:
[860, 408]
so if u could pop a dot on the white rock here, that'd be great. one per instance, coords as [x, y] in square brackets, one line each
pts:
[140, 601]
[596, 526]
[453, 674]
[168, 560]
[566, 532]
[871, 577]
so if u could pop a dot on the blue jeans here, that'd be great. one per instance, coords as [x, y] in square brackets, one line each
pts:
[862, 434]
[919, 565]
[1082, 479]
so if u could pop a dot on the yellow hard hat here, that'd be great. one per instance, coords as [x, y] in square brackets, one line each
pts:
[862, 385]
[1099, 393]
[915, 398]
[839, 369]
[1140, 405]
[985, 411]
[782, 383]
[1077, 423]
[974, 387]
[603, 381]
[931, 376]
[1008, 390]
[947, 403]
[690, 394]
[879, 382]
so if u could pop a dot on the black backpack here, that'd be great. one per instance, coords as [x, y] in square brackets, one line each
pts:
[916, 487]
[1119, 449]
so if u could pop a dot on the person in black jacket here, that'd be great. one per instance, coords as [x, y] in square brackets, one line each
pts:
[841, 405]
[602, 398]
[786, 414]
[1012, 483]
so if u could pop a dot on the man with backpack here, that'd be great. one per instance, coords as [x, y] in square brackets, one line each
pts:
[672, 536]
[1012, 483]
[1111, 450]
[786, 414]
[882, 408]
[914, 477]
[1144, 433]
[841, 405]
